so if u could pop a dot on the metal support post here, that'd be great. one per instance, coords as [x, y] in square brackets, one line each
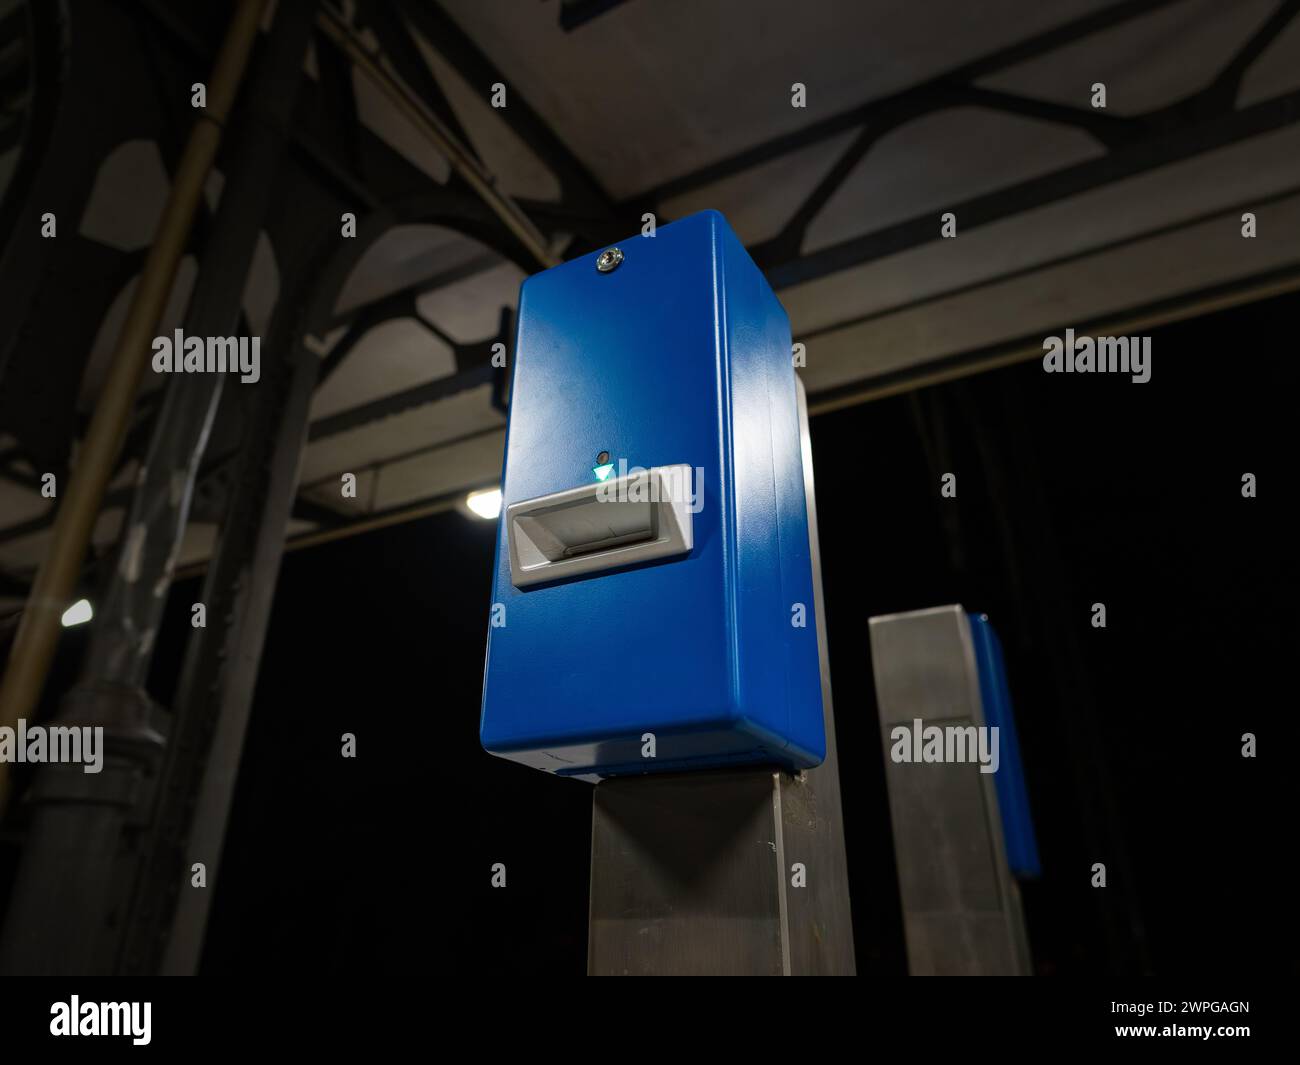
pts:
[961, 905]
[86, 829]
[696, 873]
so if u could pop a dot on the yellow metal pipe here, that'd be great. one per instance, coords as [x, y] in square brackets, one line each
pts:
[38, 632]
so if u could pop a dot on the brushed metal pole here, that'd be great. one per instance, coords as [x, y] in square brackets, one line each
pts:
[691, 873]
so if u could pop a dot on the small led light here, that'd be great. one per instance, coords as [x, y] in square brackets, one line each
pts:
[78, 614]
[602, 472]
[486, 503]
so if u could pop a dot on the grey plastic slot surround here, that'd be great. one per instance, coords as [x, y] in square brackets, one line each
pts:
[641, 516]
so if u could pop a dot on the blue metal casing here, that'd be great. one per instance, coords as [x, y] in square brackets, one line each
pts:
[1013, 797]
[680, 355]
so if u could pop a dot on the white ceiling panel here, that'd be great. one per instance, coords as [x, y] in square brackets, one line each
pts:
[396, 355]
[651, 91]
[940, 160]
[400, 434]
[1146, 63]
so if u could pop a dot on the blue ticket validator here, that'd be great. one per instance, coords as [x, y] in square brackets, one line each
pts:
[652, 600]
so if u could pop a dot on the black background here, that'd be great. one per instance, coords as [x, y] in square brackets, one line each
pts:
[1072, 489]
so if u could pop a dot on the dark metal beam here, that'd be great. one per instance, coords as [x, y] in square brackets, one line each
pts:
[473, 366]
[1181, 143]
[1178, 140]
[443, 276]
[398, 305]
[401, 50]
[1092, 251]
[390, 178]
[575, 14]
[341, 99]
[19, 477]
[339, 177]
[1179, 130]
[306, 510]
[1223, 91]
[13, 585]
[115, 498]
[81, 836]
[1264, 285]
[453, 44]
[1113, 131]
[387, 406]
[167, 918]
[927, 96]
[332, 478]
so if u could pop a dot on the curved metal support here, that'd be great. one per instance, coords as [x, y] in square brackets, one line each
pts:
[38, 633]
